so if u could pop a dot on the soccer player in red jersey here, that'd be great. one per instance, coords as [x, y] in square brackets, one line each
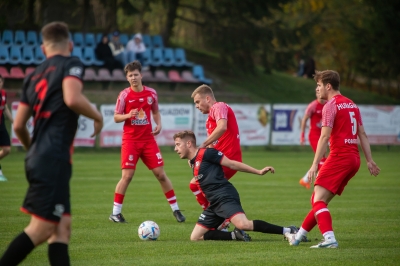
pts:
[4, 137]
[341, 125]
[222, 131]
[52, 94]
[134, 107]
[314, 113]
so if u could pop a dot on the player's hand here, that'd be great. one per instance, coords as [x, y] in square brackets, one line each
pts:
[312, 173]
[98, 125]
[373, 168]
[133, 113]
[302, 139]
[156, 130]
[266, 170]
[202, 146]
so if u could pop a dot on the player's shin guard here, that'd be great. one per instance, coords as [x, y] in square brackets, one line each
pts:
[17, 251]
[201, 199]
[58, 254]
[323, 216]
[309, 222]
[264, 227]
[170, 195]
[218, 235]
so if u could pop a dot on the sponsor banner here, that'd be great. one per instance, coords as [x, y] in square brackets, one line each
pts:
[381, 123]
[286, 124]
[253, 122]
[174, 118]
[82, 137]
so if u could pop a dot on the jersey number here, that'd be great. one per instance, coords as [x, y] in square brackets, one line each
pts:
[41, 90]
[353, 121]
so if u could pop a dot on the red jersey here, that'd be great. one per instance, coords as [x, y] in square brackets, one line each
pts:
[229, 142]
[314, 111]
[3, 102]
[137, 128]
[343, 116]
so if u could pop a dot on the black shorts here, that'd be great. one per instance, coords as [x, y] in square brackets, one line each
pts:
[4, 137]
[214, 216]
[48, 195]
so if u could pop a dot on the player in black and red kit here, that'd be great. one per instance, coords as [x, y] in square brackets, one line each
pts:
[4, 137]
[223, 197]
[52, 94]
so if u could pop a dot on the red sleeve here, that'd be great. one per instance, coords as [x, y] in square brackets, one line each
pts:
[219, 111]
[329, 114]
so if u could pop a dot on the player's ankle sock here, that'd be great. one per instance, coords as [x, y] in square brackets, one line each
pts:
[323, 216]
[201, 199]
[305, 177]
[219, 235]
[58, 254]
[302, 232]
[264, 227]
[118, 200]
[170, 195]
[309, 222]
[329, 235]
[17, 251]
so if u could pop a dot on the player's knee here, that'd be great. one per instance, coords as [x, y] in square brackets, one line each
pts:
[161, 176]
[6, 150]
[243, 225]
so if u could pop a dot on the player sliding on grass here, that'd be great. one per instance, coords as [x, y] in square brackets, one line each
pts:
[134, 107]
[341, 125]
[221, 194]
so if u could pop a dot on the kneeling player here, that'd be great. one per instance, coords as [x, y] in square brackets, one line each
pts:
[222, 195]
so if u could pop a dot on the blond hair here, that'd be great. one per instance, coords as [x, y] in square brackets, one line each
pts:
[203, 90]
[187, 134]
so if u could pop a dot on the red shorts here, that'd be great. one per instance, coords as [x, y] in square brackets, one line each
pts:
[337, 171]
[228, 171]
[313, 142]
[148, 151]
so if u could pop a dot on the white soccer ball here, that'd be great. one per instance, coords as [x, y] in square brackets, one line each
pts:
[148, 230]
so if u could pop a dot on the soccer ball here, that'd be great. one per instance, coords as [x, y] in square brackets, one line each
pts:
[148, 230]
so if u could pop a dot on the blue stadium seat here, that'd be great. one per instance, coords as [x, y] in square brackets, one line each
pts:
[31, 38]
[4, 55]
[7, 38]
[98, 37]
[88, 58]
[147, 41]
[77, 51]
[40, 38]
[169, 58]
[15, 55]
[123, 38]
[198, 73]
[157, 57]
[39, 56]
[27, 55]
[180, 58]
[147, 57]
[77, 37]
[19, 38]
[90, 40]
[157, 41]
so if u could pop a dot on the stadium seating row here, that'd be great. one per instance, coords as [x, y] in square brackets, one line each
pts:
[33, 55]
[195, 76]
[32, 38]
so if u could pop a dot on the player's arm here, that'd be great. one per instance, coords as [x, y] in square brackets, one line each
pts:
[222, 126]
[8, 113]
[242, 167]
[303, 128]
[19, 126]
[321, 150]
[157, 120]
[364, 142]
[118, 118]
[77, 102]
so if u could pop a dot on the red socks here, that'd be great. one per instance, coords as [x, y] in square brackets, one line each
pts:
[201, 199]
[323, 216]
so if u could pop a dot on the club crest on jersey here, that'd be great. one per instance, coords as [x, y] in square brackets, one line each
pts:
[197, 164]
[76, 71]
[130, 158]
[220, 153]
[149, 100]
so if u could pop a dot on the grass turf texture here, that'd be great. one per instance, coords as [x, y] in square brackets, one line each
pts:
[365, 219]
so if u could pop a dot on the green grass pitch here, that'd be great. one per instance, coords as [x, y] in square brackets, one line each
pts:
[366, 217]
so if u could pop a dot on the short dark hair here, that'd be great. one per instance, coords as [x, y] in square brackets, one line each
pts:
[55, 32]
[328, 76]
[187, 134]
[133, 66]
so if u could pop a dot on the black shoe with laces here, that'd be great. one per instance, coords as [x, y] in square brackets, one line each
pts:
[179, 216]
[118, 218]
[241, 235]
